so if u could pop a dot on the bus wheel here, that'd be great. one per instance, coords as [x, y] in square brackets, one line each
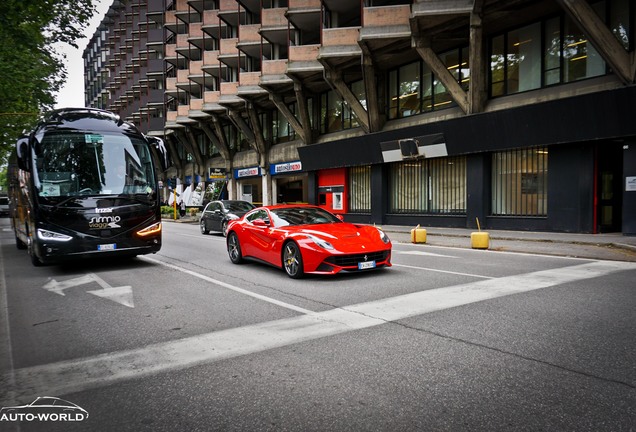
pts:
[34, 259]
[19, 243]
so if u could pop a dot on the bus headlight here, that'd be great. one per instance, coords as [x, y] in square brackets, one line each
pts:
[149, 230]
[47, 235]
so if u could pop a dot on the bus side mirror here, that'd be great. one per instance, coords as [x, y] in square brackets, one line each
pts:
[22, 153]
[158, 144]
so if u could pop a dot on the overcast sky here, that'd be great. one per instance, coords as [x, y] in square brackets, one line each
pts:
[72, 94]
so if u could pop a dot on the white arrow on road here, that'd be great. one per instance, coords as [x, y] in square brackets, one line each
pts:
[59, 287]
[122, 295]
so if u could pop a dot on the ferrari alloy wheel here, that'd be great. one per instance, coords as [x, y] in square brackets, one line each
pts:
[292, 260]
[234, 249]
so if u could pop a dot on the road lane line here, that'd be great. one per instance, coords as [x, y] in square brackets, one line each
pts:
[422, 253]
[443, 271]
[228, 286]
[85, 373]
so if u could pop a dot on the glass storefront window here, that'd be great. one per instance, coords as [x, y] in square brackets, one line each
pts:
[359, 189]
[429, 186]
[520, 182]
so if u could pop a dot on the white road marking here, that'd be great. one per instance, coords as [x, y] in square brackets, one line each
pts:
[92, 372]
[412, 252]
[122, 294]
[228, 286]
[443, 271]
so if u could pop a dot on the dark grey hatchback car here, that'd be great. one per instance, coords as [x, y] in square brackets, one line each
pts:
[217, 214]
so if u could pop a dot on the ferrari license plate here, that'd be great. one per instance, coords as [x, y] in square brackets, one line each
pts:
[366, 265]
[107, 247]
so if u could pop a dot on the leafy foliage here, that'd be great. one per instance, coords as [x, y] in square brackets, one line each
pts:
[31, 72]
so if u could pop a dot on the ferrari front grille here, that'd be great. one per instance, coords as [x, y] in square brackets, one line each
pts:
[354, 259]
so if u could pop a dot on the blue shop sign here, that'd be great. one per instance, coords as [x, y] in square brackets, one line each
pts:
[247, 172]
[287, 167]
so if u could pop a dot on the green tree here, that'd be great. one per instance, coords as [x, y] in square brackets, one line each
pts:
[31, 71]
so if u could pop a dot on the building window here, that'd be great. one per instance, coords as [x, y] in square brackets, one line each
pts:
[282, 130]
[520, 182]
[414, 89]
[549, 52]
[335, 114]
[360, 189]
[428, 186]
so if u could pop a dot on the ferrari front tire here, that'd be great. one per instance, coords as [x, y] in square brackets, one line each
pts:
[293, 260]
[234, 248]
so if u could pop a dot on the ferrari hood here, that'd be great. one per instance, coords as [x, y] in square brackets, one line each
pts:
[346, 237]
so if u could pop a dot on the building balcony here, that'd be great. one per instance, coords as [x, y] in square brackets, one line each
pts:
[249, 85]
[211, 102]
[229, 11]
[273, 74]
[229, 94]
[229, 54]
[196, 110]
[274, 25]
[340, 42]
[174, 24]
[171, 87]
[182, 79]
[249, 40]
[195, 35]
[211, 63]
[384, 24]
[304, 59]
[212, 25]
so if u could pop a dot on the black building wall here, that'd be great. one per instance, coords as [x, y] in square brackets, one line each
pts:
[629, 196]
[571, 188]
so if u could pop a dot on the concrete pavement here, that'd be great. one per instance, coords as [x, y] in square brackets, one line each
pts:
[612, 246]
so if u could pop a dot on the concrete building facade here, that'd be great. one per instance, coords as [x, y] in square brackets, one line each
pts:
[520, 114]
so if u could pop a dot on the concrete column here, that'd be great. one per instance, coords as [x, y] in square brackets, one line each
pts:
[274, 191]
[231, 189]
[267, 188]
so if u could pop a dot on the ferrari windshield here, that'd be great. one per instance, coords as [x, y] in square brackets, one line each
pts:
[74, 163]
[301, 216]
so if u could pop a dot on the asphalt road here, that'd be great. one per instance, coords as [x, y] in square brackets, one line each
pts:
[446, 340]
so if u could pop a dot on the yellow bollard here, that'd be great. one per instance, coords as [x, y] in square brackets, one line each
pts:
[480, 239]
[418, 235]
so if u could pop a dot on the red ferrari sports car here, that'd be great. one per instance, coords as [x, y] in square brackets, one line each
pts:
[306, 239]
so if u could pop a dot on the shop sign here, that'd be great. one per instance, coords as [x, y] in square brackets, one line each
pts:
[630, 184]
[283, 168]
[247, 172]
[217, 174]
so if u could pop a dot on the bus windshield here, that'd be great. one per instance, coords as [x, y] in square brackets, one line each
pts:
[74, 163]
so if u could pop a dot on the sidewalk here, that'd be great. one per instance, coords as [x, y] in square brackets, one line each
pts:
[613, 246]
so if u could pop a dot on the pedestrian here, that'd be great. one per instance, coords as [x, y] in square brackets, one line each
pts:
[182, 208]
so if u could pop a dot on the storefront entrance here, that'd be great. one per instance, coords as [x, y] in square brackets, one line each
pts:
[609, 181]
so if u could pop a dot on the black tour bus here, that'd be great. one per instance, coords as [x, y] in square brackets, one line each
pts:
[83, 184]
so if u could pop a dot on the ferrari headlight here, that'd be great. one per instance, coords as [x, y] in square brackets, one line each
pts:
[320, 242]
[47, 235]
[383, 236]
